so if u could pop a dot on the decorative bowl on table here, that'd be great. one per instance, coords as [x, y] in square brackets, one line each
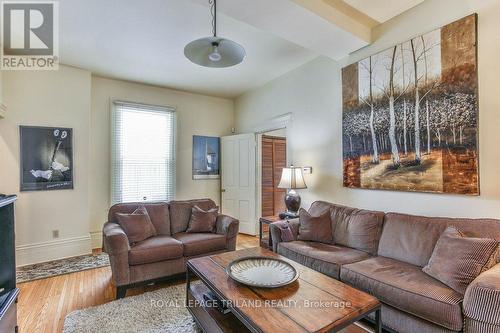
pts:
[262, 272]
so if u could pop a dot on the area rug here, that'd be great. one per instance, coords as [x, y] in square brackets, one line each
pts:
[60, 267]
[160, 311]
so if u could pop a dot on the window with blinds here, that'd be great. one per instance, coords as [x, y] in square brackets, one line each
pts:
[143, 153]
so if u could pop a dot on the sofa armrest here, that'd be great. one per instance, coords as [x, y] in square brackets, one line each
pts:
[275, 231]
[482, 301]
[117, 246]
[227, 225]
[115, 239]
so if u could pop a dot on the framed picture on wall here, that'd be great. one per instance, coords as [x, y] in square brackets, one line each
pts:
[410, 114]
[206, 157]
[46, 158]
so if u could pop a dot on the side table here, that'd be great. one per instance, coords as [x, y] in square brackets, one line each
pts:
[265, 239]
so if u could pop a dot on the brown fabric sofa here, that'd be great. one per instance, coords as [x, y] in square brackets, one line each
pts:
[383, 254]
[165, 254]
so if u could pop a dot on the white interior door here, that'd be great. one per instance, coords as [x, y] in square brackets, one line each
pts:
[238, 180]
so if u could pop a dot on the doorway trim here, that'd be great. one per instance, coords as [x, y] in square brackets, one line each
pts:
[276, 123]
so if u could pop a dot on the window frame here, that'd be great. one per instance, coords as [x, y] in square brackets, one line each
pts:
[114, 103]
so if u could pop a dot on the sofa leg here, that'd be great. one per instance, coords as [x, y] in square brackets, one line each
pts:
[121, 292]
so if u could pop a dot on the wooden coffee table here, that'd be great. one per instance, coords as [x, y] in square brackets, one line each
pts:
[313, 303]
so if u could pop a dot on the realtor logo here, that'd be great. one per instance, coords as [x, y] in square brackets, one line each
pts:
[29, 35]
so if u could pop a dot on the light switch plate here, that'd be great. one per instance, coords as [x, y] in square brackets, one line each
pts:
[307, 170]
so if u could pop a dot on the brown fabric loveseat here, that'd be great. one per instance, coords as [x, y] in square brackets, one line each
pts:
[165, 254]
[383, 254]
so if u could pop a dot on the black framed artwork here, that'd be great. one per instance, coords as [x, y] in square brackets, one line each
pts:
[46, 158]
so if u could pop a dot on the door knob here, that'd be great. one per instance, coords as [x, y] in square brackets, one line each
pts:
[223, 190]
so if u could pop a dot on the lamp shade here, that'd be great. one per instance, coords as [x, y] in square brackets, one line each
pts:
[292, 178]
[214, 52]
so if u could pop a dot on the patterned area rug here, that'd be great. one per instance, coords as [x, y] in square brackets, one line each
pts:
[160, 311]
[60, 267]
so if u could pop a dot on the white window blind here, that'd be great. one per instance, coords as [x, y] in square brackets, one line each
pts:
[143, 153]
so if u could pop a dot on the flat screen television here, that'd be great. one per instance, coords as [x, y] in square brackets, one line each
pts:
[7, 247]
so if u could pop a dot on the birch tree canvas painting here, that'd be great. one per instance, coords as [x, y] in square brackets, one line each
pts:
[410, 115]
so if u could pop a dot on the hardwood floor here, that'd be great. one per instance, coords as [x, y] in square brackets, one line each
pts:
[246, 241]
[43, 304]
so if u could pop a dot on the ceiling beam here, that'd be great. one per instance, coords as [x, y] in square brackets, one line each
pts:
[313, 24]
[342, 15]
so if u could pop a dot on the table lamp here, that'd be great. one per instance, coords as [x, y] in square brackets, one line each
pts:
[292, 179]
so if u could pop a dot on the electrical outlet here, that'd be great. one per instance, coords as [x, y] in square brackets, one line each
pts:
[55, 233]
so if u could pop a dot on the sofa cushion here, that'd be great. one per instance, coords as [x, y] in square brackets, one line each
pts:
[355, 228]
[407, 288]
[155, 249]
[137, 226]
[319, 207]
[315, 228]
[160, 217]
[412, 239]
[321, 257]
[180, 213]
[359, 229]
[201, 220]
[158, 213]
[458, 260]
[201, 243]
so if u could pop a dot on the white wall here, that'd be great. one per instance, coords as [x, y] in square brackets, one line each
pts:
[48, 98]
[1, 87]
[196, 114]
[313, 94]
[72, 98]
[2, 105]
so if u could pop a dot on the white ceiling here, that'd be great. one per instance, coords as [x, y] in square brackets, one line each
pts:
[143, 40]
[294, 23]
[383, 10]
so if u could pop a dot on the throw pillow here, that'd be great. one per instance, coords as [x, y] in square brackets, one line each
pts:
[201, 220]
[458, 260]
[315, 228]
[137, 226]
[285, 230]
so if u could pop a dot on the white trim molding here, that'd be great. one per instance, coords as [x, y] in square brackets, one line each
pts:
[275, 123]
[52, 250]
[3, 110]
[283, 121]
[96, 239]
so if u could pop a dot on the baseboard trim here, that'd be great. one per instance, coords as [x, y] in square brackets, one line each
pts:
[96, 239]
[52, 250]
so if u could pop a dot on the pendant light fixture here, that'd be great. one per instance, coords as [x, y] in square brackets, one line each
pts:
[214, 51]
